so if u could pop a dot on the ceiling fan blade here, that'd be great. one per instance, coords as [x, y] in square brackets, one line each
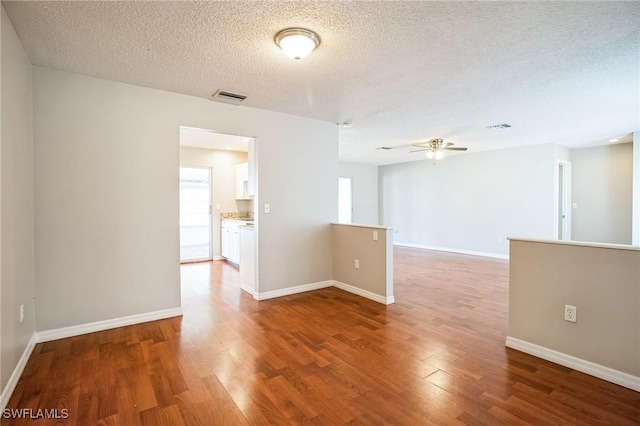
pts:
[420, 145]
[454, 149]
[447, 144]
[418, 150]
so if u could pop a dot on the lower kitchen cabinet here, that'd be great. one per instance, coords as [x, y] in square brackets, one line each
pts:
[230, 240]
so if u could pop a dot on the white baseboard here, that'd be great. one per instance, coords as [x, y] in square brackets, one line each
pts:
[588, 367]
[17, 372]
[293, 290]
[451, 250]
[316, 286]
[218, 258]
[364, 293]
[76, 330]
[249, 290]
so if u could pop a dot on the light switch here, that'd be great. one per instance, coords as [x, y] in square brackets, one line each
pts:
[217, 206]
[575, 206]
[375, 235]
[267, 208]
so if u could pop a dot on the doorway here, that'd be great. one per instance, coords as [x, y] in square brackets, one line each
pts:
[195, 214]
[563, 201]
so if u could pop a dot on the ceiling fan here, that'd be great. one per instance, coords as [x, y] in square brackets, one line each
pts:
[434, 148]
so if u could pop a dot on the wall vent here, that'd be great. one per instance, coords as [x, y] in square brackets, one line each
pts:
[499, 126]
[228, 97]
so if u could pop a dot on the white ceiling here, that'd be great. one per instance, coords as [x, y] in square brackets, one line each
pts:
[402, 72]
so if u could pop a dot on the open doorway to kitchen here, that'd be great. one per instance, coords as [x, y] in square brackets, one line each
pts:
[226, 162]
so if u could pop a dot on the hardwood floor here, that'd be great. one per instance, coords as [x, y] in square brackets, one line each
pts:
[436, 357]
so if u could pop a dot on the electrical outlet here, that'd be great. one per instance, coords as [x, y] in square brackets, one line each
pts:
[356, 264]
[22, 312]
[570, 313]
[267, 208]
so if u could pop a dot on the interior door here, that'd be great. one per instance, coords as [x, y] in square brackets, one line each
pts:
[195, 214]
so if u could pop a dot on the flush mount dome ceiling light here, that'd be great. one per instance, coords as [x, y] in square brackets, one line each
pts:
[297, 42]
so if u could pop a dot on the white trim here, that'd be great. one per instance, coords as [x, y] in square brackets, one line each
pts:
[578, 244]
[364, 293]
[588, 367]
[361, 225]
[218, 258]
[460, 251]
[17, 372]
[249, 290]
[204, 259]
[317, 286]
[293, 290]
[77, 330]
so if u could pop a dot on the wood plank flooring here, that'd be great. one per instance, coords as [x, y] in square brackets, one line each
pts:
[435, 357]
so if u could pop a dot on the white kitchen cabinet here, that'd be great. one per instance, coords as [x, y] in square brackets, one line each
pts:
[247, 260]
[251, 159]
[242, 181]
[230, 240]
[224, 240]
[234, 245]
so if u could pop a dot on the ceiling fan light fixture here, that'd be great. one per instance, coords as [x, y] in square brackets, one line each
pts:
[430, 155]
[297, 42]
[439, 155]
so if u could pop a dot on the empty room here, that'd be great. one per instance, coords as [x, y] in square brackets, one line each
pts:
[346, 212]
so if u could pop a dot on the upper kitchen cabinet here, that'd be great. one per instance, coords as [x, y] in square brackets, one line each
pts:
[245, 185]
[242, 182]
[251, 158]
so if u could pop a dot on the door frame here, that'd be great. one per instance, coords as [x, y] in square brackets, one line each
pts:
[562, 181]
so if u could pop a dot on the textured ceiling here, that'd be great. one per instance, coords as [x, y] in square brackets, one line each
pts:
[402, 72]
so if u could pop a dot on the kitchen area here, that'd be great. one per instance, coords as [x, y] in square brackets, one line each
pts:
[217, 191]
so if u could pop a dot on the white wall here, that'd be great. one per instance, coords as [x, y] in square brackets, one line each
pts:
[223, 183]
[602, 180]
[471, 202]
[364, 181]
[106, 158]
[16, 213]
[297, 161]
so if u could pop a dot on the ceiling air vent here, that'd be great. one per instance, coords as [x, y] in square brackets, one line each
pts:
[384, 148]
[499, 126]
[228, 97]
